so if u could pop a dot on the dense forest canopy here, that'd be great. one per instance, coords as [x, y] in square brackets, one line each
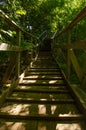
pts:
[36, 16]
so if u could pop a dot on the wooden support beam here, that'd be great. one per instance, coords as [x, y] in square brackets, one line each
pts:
[18, 54]
[7, 92]
[32, 101]
[68, 55]
[10, 68]
[75, 45]
[42, 91]
[74, 22]
[14, 25]
[62, 119]
[76, 65]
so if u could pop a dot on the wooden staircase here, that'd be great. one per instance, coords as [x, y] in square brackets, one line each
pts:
[42, 101]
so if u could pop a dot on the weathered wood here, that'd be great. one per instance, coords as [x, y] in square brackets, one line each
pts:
[18, 54]
[10, 68]
[76, 65]
[78, 100]
[8, 47]
[8, 91]
[68, 55]
[78, 18]
[79, 45]
[55, 91]
[14, 25]
[83, 83]
[32, 101]
[75, 45]
[18, 118]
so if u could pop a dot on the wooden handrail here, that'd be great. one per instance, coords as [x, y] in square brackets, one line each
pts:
[77, 19]
[13, 24]
[16, 49]
[81, 44]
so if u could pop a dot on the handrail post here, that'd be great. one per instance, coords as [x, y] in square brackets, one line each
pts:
[18, 55]
[68, 53]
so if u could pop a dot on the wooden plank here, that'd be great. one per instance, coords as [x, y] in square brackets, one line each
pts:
[8, 47]
[7, 92]
[42, 91]
[43, 78]
[68, 56]
[39, 84]
[14, 25]
[79, 45]
[76, 45]
[67, 118]
[83, 83]
[76, 65]
[29, 101]
[17, 67]
[77, 19]
[9, 69]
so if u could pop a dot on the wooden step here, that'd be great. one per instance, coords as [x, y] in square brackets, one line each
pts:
[61, 119]
[44, 70]
[42, 82]
[43, 73]
[44, 88]
[52, 91]
[39, 84]
[41, 101]
[33, 77]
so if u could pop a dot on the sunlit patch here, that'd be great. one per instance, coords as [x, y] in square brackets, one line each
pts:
[51, 97]
[43, 76]
[72, 126]
[42, 109]
[52, 81]
[33, 76]
[44, 82]
[16, 126]
[12, 126]
[16, 109]
[29, 81]
[70, 113]
[43, 99]
[24, 87]
[14, 94]
[53, 108]
[8, 85]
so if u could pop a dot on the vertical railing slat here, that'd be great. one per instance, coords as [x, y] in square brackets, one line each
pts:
[68, 53]
[18, 55]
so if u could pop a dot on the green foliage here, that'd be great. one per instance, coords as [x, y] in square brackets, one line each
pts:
[52, 15]
[27, 44]
[35, 16]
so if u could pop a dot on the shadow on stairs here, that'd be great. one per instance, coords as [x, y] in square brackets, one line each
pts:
[42, 101]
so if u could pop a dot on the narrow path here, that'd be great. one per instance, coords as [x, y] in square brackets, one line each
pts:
[42, 101]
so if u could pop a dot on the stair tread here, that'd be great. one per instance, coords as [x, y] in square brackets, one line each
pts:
[40, 101]
[42, 78]
[40, 90]
[42, 96]
[39, 84]
[61, 118]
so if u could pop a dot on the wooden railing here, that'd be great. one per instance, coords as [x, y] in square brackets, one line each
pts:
[70, 47]
[16, 48]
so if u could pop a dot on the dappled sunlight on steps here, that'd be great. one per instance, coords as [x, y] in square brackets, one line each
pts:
[41, 101]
